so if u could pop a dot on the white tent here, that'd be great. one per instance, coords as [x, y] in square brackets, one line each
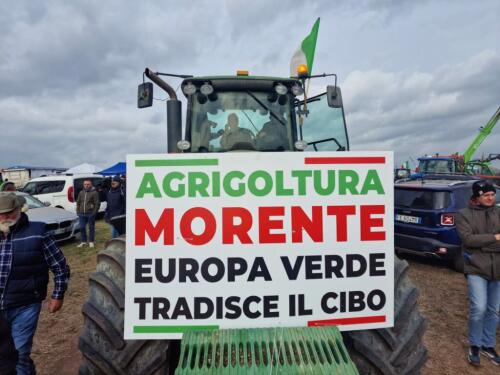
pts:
[83, 168]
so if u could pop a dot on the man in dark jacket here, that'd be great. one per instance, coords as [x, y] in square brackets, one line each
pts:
[27, 252]
[115, 204]
[87, 207]
[479, 229]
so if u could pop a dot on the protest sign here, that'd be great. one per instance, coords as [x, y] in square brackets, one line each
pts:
[240, 240]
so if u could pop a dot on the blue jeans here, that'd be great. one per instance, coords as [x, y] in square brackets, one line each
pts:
[484, 297]
[23, 321]
[84, 220]
[114, 232]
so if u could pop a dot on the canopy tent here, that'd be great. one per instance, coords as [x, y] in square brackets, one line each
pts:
[83, 168]
[118, 168]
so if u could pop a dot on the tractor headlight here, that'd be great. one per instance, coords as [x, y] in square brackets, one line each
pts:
[183, 145]
[297, 90]
[301, 145]
[280, 89]
[206, 89]
[189, 89]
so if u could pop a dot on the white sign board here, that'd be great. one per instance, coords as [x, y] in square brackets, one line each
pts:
[240, 240]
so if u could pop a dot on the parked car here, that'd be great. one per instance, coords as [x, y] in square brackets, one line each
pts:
[62, 190]
[425, 216]
[63, 224]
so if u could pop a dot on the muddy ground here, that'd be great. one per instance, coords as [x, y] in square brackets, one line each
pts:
[443, 301]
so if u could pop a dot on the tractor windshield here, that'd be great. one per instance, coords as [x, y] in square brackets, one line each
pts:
[240, 120]
[437, 166]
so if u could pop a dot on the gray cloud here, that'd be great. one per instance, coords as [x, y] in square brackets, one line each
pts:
[424, 113]
[69, 70]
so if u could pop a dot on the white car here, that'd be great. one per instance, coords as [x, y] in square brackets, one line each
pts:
[61, 223]
[61, 190]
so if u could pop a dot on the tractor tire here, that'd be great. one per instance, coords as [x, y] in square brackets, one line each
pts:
[398, 350]
[104, 351]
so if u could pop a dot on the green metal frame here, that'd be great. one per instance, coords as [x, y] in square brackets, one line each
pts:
[484, 132]
[266, 351]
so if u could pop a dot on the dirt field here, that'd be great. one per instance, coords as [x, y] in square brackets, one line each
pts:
[443, 301]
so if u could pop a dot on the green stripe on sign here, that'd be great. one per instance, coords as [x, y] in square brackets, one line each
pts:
[176, 163]
[172, 329]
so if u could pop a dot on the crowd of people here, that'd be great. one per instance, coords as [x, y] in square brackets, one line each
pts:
[27, 253]
[89, 199]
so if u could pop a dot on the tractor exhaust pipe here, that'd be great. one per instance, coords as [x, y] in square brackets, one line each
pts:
[174, 112]
[174, 125]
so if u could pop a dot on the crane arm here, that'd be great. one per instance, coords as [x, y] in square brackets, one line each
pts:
[483, 134]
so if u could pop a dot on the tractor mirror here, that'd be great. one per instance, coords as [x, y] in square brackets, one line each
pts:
[145, 95]
[334, 96]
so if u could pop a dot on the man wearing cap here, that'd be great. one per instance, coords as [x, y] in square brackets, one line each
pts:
[27, 252]
[115, 204]
[478, 226]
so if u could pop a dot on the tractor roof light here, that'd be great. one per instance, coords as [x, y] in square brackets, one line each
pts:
[302, 70]
[281, 89]
[183, 145]
[189, 89]
[297, 90]
[206, 89]
[242, 73]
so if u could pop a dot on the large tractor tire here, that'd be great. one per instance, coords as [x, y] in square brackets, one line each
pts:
[398, 350]
[101, 342]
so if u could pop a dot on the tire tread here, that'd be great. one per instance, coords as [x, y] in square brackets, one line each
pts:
[101, 341]
[398, 350]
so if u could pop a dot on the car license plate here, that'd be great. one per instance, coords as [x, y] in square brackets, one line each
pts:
[408, 219]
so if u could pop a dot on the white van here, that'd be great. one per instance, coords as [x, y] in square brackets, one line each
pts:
[62, 190]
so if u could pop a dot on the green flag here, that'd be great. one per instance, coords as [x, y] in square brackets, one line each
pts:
[305, 53]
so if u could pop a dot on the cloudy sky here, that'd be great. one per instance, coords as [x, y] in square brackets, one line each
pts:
[417, 76]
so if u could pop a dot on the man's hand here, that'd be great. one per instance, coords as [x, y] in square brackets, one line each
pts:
[497, 237]
[55, 305]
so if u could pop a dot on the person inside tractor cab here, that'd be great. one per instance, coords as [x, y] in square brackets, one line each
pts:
[203, 131]
[273, 135]
[235, 137]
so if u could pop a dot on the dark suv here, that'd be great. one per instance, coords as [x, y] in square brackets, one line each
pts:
[424, 215]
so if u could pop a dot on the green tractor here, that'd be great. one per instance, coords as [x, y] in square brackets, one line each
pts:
[242, 113]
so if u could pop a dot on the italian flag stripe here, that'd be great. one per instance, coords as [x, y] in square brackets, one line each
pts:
[177, 163]
[173, 329]
[305, 53]
[347, 321]
[345, 160]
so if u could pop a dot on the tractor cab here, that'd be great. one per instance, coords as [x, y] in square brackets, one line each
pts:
[251, 113]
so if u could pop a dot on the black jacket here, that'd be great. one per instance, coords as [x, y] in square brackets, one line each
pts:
[115, 203]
